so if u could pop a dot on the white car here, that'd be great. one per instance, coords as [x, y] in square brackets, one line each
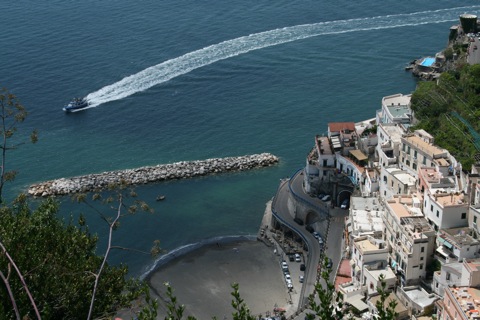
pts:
[297, 257]
[316, 234]
[320, 241]
[288, 278]
[284, 266]
[300, 278]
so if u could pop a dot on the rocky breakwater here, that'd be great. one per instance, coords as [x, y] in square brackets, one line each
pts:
[143, 175]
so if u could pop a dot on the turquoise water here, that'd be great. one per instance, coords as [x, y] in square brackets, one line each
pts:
[427, 62]
[183, 80]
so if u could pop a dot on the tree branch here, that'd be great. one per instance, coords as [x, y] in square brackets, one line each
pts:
[107, 252]
[21, 279]
[10, 293]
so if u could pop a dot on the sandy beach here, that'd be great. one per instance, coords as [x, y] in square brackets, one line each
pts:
[202, 279]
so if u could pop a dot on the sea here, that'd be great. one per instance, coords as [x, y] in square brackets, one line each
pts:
[183, 80]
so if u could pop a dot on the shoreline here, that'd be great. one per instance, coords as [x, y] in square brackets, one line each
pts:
[183, 251]
[202, 279]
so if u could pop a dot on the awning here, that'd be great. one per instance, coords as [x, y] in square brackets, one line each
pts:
[358, 155]
[441, 252]
[445, 242]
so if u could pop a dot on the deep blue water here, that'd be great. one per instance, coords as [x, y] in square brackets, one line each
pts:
[227, 79]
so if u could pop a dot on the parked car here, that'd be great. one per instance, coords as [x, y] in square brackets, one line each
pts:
[326, 198]
[284, 266]
[316, 234]
[298, 258]
[288, 277]
[300, 278]
[329, 263]
[302, 267]
[320, 242]
[345, 204]
[291, 257]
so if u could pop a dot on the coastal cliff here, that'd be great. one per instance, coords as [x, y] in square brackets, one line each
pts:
[148, 174]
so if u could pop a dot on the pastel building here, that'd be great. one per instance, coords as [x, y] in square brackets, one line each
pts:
[418, 150]
[461, 303]
[410, 237]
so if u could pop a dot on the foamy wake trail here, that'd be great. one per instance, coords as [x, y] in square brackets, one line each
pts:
[172, 68]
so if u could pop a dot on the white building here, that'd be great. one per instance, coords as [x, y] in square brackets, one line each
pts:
[395, 109]
[457, 244]
[445, 210]
[365, 218]
[395, 181]
[410, 237]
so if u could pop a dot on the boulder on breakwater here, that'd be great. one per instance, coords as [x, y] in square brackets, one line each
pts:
[143, 175]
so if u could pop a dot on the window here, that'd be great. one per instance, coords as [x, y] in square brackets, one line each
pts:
[421, 258]
[415, 153]
[414, 166]
[464, 215]
[408, 149]
[431, 207]
[403, 147]
[407, 163]
[421, 266]
[422, 249]
[424, 160]
[474, 219]
[437, 214]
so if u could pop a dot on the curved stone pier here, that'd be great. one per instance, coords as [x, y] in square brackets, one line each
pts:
[161, 172]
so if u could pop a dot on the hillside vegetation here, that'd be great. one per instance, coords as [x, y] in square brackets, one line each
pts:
[449, 109]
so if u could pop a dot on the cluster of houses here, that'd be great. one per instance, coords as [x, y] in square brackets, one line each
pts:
[412, 218]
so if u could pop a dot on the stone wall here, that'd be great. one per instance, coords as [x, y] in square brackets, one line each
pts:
[143, 175]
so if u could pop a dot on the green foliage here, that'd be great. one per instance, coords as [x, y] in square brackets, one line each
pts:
[241, 310]
[59, 264]
[448, 54]
[12, 113]
[434, 103]
[331, 302]
[176, 310]
[385, 312]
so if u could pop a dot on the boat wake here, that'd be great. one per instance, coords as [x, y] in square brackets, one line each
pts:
[172, 68]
